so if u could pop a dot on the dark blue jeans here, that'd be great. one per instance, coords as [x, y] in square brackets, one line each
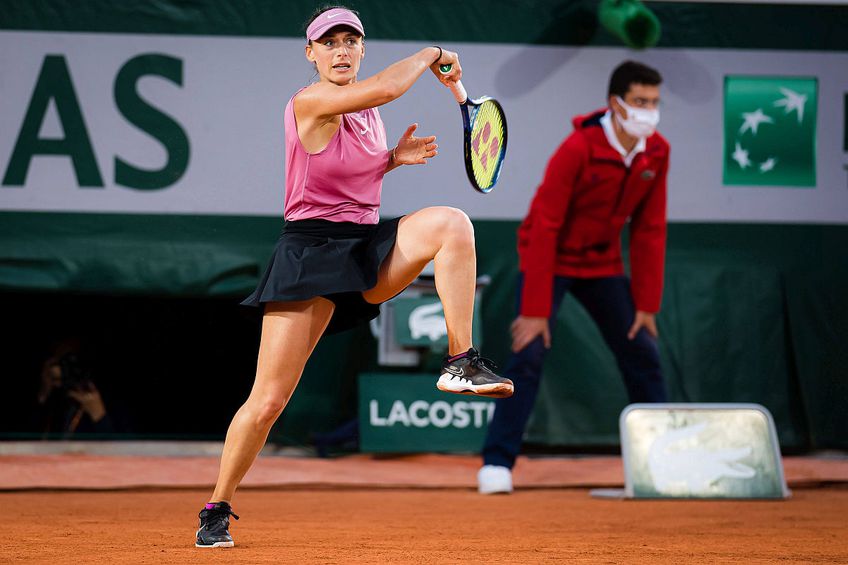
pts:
[610, 304]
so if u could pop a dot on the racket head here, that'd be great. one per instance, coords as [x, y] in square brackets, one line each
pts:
[486, 138]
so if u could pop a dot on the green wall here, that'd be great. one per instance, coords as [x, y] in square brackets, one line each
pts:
[751, 313]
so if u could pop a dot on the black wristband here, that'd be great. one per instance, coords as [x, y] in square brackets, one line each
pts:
[439, 58]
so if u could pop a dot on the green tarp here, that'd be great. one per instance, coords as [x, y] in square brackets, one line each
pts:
[751, 313]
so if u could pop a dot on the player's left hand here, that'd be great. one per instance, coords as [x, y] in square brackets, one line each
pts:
[413, 150]
[645, 320]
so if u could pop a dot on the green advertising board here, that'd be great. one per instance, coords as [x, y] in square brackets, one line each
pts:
[419, 321]
[770, 131]
[405, 413]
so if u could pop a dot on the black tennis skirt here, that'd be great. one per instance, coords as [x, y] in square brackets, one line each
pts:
[335, 260]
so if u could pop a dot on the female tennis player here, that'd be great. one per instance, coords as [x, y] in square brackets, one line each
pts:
[334, 263]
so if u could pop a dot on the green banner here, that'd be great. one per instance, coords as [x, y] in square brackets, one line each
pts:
[770, 131]
[403, 413]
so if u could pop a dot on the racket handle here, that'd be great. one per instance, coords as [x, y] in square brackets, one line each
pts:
[456, 87]
[459, 92]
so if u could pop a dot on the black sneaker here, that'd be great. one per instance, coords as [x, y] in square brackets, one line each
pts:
[469, 373]
[214, 523]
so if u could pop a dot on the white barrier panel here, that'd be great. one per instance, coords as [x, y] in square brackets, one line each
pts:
[700, 451]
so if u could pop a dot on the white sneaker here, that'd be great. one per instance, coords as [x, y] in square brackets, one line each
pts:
[494, 479]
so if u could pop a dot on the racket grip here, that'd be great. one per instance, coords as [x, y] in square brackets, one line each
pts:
[459, 92]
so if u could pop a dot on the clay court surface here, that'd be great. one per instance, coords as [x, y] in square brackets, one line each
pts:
[424, 526]
[84, 508]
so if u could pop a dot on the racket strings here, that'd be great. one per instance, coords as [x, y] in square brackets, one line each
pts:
[487, 143]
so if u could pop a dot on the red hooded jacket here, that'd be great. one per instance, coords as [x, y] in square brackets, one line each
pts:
[574, 225]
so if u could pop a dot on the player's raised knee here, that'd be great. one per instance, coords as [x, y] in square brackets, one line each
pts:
[456, 224]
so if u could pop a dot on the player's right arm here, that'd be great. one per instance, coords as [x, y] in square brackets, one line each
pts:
[323, 100]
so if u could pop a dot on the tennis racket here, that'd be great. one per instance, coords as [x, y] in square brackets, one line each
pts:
[485, 136]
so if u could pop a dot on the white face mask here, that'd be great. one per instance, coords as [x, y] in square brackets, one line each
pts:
[640, 122]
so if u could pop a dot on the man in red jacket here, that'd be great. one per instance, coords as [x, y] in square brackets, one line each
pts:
[610, 169]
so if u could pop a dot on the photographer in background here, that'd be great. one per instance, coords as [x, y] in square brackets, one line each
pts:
[69, 403]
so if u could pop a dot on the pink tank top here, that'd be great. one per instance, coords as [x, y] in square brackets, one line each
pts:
[343, 182]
